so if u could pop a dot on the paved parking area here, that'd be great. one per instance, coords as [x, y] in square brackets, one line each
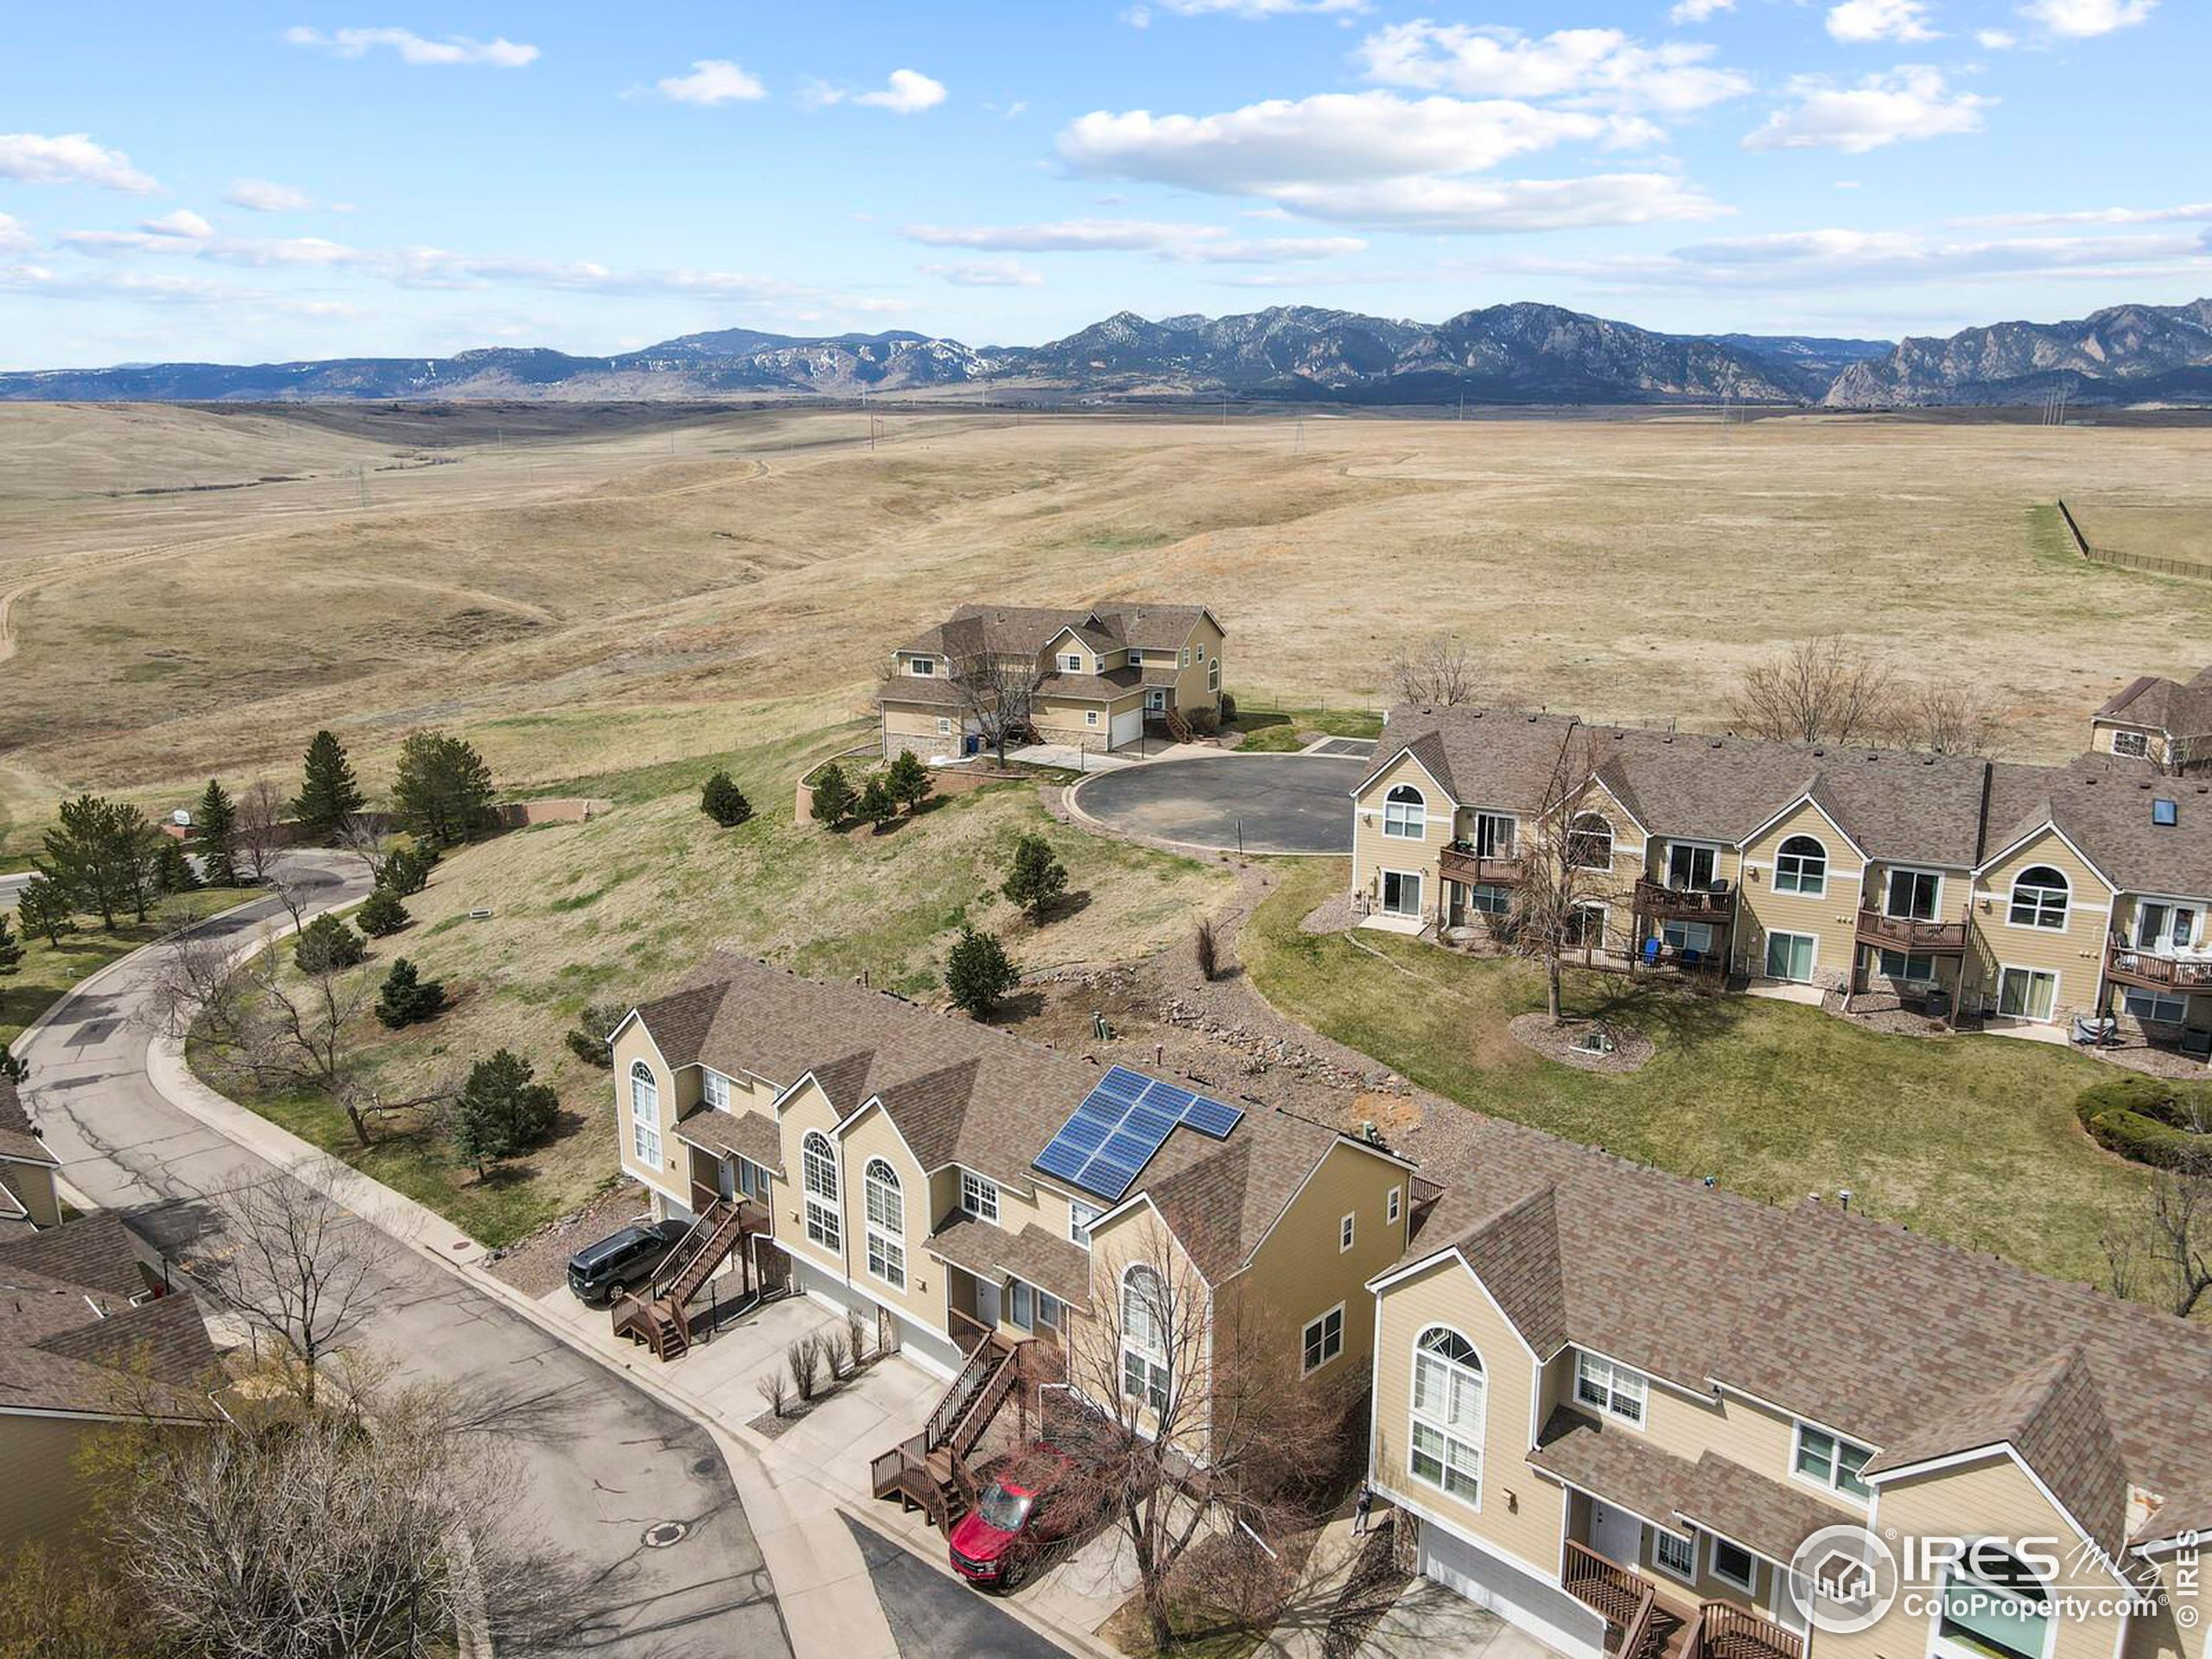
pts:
[1357, 748]
[1263, 803]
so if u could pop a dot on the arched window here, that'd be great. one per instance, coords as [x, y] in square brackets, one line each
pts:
[1146, 1320]
[1405, 813]
[1590, 843]
[2039, 894]
[818, 1163]
[1993, 1608]
[645, 1115]
[1448, 1412]
[1800, 865]
[886, 1224]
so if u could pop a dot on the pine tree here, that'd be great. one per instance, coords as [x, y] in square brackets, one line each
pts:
[44, 909]
[724, 802]
[173, 871]
[442, 788]
[328, 792]
[909, 780]
[977, 974]
[407, 872]
[501, 1112]
[101, 856]
[218, 816]
[1037, 878]
[833, 796]
[381, 914]
[406, 998]
[11, 950]
[877, 805]
[326, 945]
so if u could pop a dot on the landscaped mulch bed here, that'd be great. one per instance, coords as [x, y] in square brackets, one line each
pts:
[1556, 1042]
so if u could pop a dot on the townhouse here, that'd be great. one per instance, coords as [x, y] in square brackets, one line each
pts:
[1094, 679]
[959, 1185]
[27, 1200]
[2167, 722]
[2026, 895]
[1613, 1404]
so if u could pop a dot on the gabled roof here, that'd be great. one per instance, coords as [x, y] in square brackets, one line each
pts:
[1517, 1255]
[1025, 630]
[2179, 710]
[17, 1143]
[2104, 808]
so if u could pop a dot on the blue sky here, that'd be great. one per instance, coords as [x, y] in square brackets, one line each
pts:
[245, 182]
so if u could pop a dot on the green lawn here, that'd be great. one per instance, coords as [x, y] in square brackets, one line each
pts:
[1970, 1137]
[1275, 731]
[47, 971]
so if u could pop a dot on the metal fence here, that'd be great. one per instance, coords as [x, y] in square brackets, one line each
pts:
[2150, 564]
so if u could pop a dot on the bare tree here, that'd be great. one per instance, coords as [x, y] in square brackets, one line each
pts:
[1820, 690]
[2163, 1252]
[1947, 719]
[999, 692]
[1194, 1432]
[1443, 673]
[1567, 869]
[295, 1268]
[261, 831]
[368, 835]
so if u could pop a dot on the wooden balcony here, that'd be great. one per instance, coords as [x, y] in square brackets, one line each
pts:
[1463, 864]
[1907, 934]
[1640, 1624]
[2147, 970]
[1663, 903]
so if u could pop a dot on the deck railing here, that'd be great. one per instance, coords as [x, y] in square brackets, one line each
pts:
[1462, 864]
[1909, 933]
[1728, 1632]
[2133, 964]
[1697, 903]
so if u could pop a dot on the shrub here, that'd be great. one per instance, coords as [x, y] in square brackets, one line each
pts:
[833, 796]
[909, 780]
[978, 973]
[593, 1030]
[327, 944]
[775, 1390]
[836, 1352]
[173, 871]
[407, 872]
[877, 804]
[406, 998]
[1037, 878]
[2148, 1120]
[1205, 721]
[1227, 708]
[11, 951]
[382, 914]
[1208, 949]
[501, 1112]
[856, 1334]
[12, 1068]
[804, 1357]
[724, 802]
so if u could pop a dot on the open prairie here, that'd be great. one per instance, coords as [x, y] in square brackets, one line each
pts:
[588, 591]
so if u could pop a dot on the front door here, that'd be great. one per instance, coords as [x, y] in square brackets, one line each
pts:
[1615, 1535]
[726, 1178]
[987, 1303]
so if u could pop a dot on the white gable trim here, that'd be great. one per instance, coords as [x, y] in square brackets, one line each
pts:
[1407, 753]
[1805, 797]
[1983, 1454]
[2051, 826]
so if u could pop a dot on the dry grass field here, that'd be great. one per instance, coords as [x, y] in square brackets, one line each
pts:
[599, 590]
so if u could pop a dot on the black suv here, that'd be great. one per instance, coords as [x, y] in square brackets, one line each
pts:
[598, 1273]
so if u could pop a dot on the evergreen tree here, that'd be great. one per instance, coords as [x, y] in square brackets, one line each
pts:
[724, 802]
[833, 796]
[442, 788]
[1037, 878]
[593, 1031]
[328, 792]
[406, 998]
[11, 950]
[382, 914]
[12, 1068]
[501, 1112]
[909, 780]
[173, 871]
[977, 974]
[407, 872]
[101, 856]
[43, 908]
[327, 944]
[218, 819]
[877, 805]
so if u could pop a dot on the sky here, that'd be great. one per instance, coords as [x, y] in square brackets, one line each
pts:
[247, 183]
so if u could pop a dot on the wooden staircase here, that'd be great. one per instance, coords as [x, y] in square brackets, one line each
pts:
[654, 1315]
[929, 1471]
[1178, 728]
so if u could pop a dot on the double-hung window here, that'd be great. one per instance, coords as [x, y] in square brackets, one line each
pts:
[979, 1196]
[1449, 1399]
[1145, 1320]
[1612, 1389]
[1405, 814]
[1733, 1563]
[819, 1170]
[713, 1088]
[1675, 1554]
[1323, 1340]
[1831, 1461]
[1801, 866]
[2039, 895]
[1080, 1216]
[645, 1115]
[886, 1224]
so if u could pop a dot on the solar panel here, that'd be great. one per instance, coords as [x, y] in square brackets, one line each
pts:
[1122, 1124]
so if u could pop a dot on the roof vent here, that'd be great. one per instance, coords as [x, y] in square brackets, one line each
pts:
[2166, 813]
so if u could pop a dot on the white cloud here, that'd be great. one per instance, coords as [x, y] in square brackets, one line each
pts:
[2083, 19]
[986, 273]
[69, 158]
[1269, 251]
[712, 80]
[262, 196]
[1190, 244]
[14, 238]
[500, 53]
[909, 92]
[1601, 66]
[1910, 103]
[1861, 22]
[1698, 11]
[182, 222]
[1842, 258]
[1476, 207]
[2191, 213]
[1995, 40]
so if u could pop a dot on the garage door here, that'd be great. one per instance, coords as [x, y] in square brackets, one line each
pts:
[1128, 728]
[926, 1349]
[1545, 1612]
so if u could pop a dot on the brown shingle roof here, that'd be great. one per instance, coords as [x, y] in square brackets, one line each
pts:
[2177, 710]
[753, 1136]
[2105, 810]
[1058, 1266]
[16, 1140]
[1024, 630]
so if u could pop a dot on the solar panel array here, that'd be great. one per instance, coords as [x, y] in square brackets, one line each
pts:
[1109, 1138]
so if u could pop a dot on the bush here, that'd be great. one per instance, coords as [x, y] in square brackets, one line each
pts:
[804, 1357]
[407, 999]
[909, 780]
[407, 872]
[501, 1112]
[382, 914]
[724, 802]
[593, 1030]
[1208, 951]
[775, 1391]
[2148, 1120]
[832, 796]
[173, 871]
[877, 804]
[1227, 708]
[1037, 878]
[977, 974]
[327, 944]
[11, 952]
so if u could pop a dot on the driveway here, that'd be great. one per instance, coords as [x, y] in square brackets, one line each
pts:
[1254, 803]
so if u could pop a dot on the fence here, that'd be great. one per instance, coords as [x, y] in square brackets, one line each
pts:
[2150, 564]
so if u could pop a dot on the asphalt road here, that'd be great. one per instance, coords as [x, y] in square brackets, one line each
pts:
[613, 1462]
[933, 1616]
[1276, 802]
[11, 887]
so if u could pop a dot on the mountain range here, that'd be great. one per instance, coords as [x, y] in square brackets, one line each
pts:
[1524, 353]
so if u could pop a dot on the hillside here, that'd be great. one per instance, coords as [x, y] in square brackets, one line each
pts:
[2125, 354]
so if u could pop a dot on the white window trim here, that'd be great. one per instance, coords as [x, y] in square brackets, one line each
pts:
[1305, 1340]
[880, 1238]
[2155, 997]
[2066, 911]
[1801, 891]
[1688, 1538]
[923, 667]
[1090, 716]
[1421, 890]
[1748, 1586]
[1079, 1229]
[645, 1147]
[944, 726]
[1393, 1205]
[1071, 663]
[1347, 1232]
[1480, 1435]
[1411, 818]
[1614, 1371]
[2057, 988]
[1158, 1379]
[977, 1187]
[1934, 909]
[2140, 741]
[1834, 1484]
[711, 1084]
[1612, 841]
[1812, 971]
[824, 1220]
[1941, 1647]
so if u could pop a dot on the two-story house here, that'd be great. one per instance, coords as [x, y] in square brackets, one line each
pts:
[1094, 679]
[2026, 894]
[1615, 1403]
[952, 1181]
[2167, 722]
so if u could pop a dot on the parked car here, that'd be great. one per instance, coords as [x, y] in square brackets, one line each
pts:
[1016, 1520]
[600, 1272]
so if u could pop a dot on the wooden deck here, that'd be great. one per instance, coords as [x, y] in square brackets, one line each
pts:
[1657, 900]
[1641, 1623]
[2146, 971]
[1904, 933]
[1464, 865]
